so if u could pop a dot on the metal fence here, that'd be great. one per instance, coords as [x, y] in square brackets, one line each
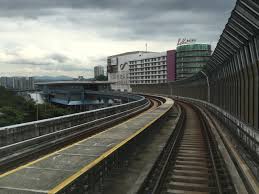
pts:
[230, 78]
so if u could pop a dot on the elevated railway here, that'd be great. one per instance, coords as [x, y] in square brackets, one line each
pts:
[191, 161]
[206, 140]
[18, 153]
[165, 147]
[65, 164]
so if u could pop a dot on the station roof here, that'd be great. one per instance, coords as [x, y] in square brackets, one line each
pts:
[75, 83]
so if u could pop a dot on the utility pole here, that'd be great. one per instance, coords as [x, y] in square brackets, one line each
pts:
[208, 84]
[37, 116]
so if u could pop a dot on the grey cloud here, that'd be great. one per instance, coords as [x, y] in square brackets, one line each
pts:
[59, 58]
[169, 26]
[34, 62]
[73, 68]
[52, 62]
[135, 9]
[131, 20]
[98, 60]
[169, 5]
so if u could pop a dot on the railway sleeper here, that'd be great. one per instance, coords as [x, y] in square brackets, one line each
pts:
[195, 165]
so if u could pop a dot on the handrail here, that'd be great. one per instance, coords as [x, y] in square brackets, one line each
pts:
[248, 130]
[11, 148]
[15, 133]
[247, 135]
[163, 158]
[71, 115]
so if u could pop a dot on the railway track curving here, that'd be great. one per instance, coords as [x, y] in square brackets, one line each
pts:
[191, 161]
[17, 154]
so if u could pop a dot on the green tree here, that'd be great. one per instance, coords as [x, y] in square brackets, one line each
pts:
[15, 109]
[11, 116]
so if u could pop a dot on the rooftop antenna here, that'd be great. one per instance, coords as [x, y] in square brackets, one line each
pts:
[146, 47]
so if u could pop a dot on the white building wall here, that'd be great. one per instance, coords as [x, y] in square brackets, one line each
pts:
[121, 64]
[150, 68]
[131, 68]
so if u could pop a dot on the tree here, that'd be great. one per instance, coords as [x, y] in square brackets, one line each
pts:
[10, 116]
[15, 109]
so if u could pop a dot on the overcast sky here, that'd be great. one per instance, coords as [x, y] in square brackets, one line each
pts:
[69, 37]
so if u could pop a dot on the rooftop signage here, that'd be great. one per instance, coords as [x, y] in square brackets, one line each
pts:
[185, 41]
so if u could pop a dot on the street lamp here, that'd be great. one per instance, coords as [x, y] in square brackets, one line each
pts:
[37, 114]
[208, 83]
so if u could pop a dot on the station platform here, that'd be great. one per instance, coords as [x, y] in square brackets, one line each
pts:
[54, 172]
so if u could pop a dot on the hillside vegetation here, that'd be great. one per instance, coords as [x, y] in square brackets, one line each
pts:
[15, 109]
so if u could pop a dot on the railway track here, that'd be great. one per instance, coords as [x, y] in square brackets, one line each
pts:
[191, 162]
[20, 153]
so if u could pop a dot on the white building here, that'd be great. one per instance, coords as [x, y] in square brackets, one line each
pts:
[98, 70]
[118, 69]
[148, 68]
[140, 67]
[18, 83]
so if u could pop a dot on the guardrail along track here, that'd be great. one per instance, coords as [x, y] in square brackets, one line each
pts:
[83, 166]
[16, 154]
[191, 162]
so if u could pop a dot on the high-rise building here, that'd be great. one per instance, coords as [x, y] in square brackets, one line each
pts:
[17, 83]
[190, 59]
[118, 70]
[140, 67]
[153, 68]
[3, 81]
[98, 70]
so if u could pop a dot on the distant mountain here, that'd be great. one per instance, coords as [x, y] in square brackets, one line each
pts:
[53, 78]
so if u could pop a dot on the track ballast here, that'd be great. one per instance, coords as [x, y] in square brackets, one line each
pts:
[191, 161]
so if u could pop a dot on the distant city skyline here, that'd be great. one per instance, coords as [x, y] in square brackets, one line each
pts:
[70, 37]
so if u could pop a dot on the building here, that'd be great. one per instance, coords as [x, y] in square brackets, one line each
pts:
[140, 67]
[98, 70]
[118, 70]
[77, 94]
[190, 59]
[17, 83]
[80, 78]
[3, 81]
[153, 68]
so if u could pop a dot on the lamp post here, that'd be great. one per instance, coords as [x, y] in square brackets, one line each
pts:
[37, 114]
[208, 84]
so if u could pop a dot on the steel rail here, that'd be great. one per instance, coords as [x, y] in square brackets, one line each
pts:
[209, 144]
[156, 178]
[179, 132]
[164, 157]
